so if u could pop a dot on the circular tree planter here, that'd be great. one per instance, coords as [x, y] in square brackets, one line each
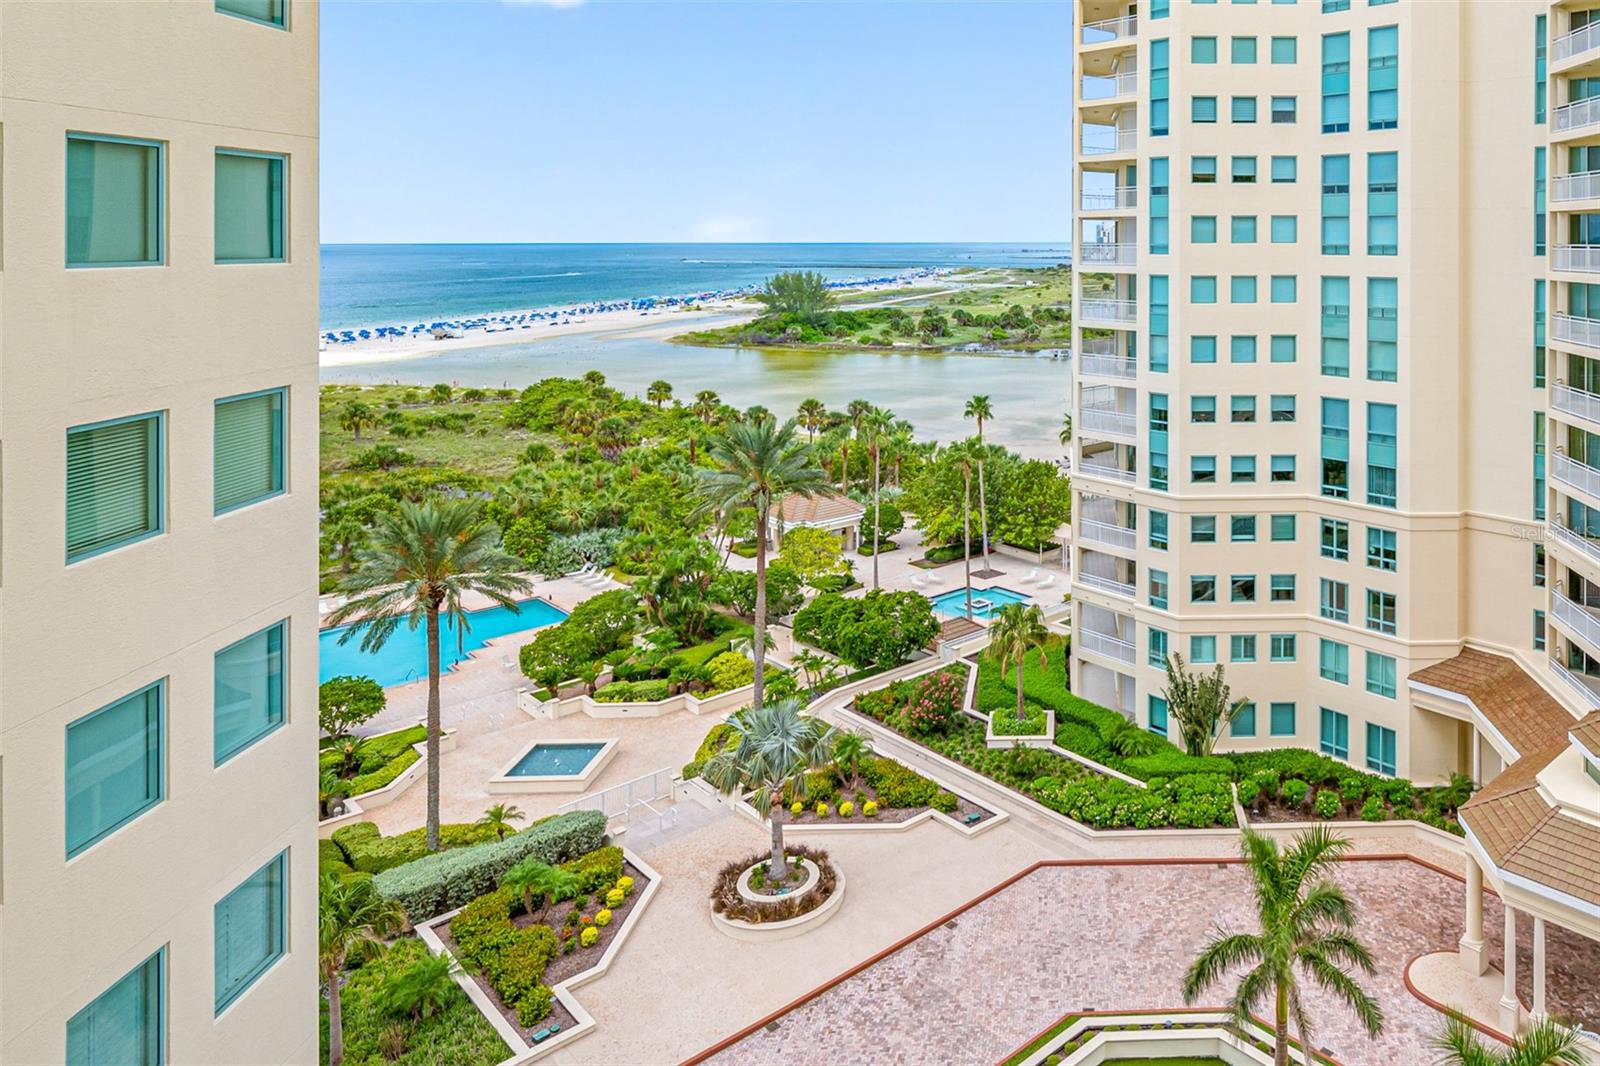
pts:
[810, 879]
[740, 912]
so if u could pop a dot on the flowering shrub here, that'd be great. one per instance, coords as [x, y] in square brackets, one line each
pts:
[625, 883]
[846, 809]
[589, 937]
[796, 807]
[603, 918]
[614, 897]
[869, 809]
[934, 703]
[822, 810]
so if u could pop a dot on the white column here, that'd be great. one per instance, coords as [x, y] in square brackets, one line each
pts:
[1477, 756]
[1473, 957]
[1538, 968]
[1510, 1008]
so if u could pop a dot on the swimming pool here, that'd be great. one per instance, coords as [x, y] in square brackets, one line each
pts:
[405, 656]
[555, 760]
[986, 603]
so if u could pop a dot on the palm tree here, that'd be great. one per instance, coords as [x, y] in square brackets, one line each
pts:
[1016, 631]
[851, 750]
[1546, 1042]
[357, 415]
[706, 405]
[1065, 436]
[331, 788]
[877, 424]
[964, 457]
[813, 415]
[980, 408]
[423, 558]
[531, 878]
[757, 465]
[1200, 704]
[1307, 925]
[658, 392]
[499, 818]
[773, 748]
[857, 411]
[351, 916]
[594, 379]
[983, 506]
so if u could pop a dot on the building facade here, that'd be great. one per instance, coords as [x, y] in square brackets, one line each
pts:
[158, 478]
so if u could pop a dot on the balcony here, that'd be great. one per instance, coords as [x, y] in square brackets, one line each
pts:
[1570, 329]
[1107, 472]
[1575, 43]
[1104, 644]
[1578, 114]
[1099, 419]
[1575, 475]
[1107, 366]
[1105, 253]
[1119, 312]
[1587, 547]
[1097, 87]
[1577, 619]
[1568, 187]
[1575, 402]
[1121, 198]
[1107, 30]
[1585, 685]
[1108, 534]
[1578, 258]
[1112, 142]
[1105, 584]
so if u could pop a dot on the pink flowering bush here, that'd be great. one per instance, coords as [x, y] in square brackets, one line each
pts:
[933, 704]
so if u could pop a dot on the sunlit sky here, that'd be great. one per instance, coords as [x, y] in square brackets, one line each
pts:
[732, 121]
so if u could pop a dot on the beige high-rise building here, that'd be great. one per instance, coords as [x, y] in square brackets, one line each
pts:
[158, 414]
[1337, 409]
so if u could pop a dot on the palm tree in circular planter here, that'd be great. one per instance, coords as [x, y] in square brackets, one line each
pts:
[1016, 631]
[772, 749]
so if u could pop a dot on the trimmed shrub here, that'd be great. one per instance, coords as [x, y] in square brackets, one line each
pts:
[1329, 803]
[614, 898]
[730, 670]
[822, 809]
[372, 853]
[1294, 792]
[436, 883]
[1249, 792]
[512, 960]
[847, 809]
[598, 869]
[720, 736]
[602, 917]
[632, 691]
[589, 937]
[869, 809]
[1373, 810]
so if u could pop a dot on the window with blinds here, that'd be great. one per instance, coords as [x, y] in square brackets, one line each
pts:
[267, 12]
[247, 692]
[113, 766]
[124, 1023]
[113, 484]
[113, 201]
[248, 449]
[249, 207]
[250, 930]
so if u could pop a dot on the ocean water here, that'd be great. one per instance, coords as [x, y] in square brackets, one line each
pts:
[383, 284]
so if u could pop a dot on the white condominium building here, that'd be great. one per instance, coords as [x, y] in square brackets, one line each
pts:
[158, 417]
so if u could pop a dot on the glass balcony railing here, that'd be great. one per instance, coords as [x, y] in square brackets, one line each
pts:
[1105, 30]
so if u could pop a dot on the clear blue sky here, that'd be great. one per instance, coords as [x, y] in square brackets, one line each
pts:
[737, 121]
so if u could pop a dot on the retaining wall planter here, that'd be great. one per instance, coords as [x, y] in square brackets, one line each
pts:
[356, 807]
[768, 932]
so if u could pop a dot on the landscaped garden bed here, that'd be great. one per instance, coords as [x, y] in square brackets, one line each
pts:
[774, 902]
[365, 764]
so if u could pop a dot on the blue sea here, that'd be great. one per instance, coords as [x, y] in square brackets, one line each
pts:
[385, 284]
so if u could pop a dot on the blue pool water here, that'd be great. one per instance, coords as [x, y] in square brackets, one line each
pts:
[986, 603]
[555, 760]
[405, 656]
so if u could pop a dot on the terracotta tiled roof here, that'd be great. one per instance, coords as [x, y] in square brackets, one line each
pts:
[1587, 733]
[1515, 704]
[823, 507]
[1524, 835]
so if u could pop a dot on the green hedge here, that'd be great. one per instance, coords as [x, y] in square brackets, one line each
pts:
[632, 692]
[511, 959]
[445, 880]
[720, 735]
[383, 758]
[367, 851]
[1005, 722]
[597, 870]
[1046, 685]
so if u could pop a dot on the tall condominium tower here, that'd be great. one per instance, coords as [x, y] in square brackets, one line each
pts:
[1337, 401]
[158, 413]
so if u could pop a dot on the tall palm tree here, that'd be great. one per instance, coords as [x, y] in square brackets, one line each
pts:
[857, 411]
[773, 748]
[658, 392]
[1546, 1042]
[877, 425]
[813, 415]
[706, 405]
[1016, 631]
[980, 408]
[1307, 930]
[983, 505]
[422, 559]
[351, 917]
[964, 458]
[758, 464]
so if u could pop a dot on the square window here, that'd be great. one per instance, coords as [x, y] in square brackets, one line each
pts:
[1244, 169]
[1242, 528]
[1382, 679]
[1383, 552]
[114, 766]
[1202, 408]
[114, 480]
[248, 690]
[250, 207]
[1285, 288]
[1242, 109]
[1203, 169]
[1285, 229]
[1242, 229]
[1283, 407]
[1335, 605]
[1202, 649]
[1333, 661]
[1202, 529]
[1283, 527]
[1283, 468]
[1242, 408]
[1203, 229]
[1282, 588]
[1243, 50]
[1203, 289]
[114, 201]
[1242, 468]
[1242, 648]
[1242, 588]
[1243, 723]
[247, 449]
[1242, 289]
[1203, 109]
[1284, 168]
[1382, 611]
[1335, 539]
[1283, 647]
[249, 930]
[1284, 110]
[1283, 349]
[125, 1023]
[1282, 720]
[268, 12]
[1241, 349]
[1203, 349]
[1203, 588]
[1285, 50]
[1202, 49]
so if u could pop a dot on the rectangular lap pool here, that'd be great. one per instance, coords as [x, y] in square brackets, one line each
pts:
[986, 603]
[404, 657]
[555, 766]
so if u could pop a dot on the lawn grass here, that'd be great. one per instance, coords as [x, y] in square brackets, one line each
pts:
[485, 445]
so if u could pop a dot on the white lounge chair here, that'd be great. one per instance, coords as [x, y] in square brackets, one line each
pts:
[1031, 577]
[918, 582]
[1049, 579]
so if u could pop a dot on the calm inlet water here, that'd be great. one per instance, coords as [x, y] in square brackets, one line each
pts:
[405, 656]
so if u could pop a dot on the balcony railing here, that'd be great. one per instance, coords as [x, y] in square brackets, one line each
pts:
[1120, 198]
[1110, 86]
[1100, 346]
[1578, 113]
[1105, 584]
[1109, 646]
[1106, 533]
[1111, 143]
[1575, 475]
[1571, 329]
[1584, 186]
[1579, 258]
[1576, 619]
[1108, 366]
[1575, 402]
[1110, 420]
[1578, 41]
[1109, 310]
[1587, 547]
[1103, 253]
[1108, 473]
[1117, 29]
[1586, 689]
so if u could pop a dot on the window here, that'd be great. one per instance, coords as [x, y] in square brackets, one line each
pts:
[1335, 81]
[124, 1023]
[1242, 289]
[1283, 169]
[1283, 110]
[1330, 7]
[114, 766]
[1283, 349]
[1283, 527]
[1202, 49]
[1202, 529]
[1380, 749]
[1202, 109]
[1157, 649]
[1281, 720]
[1203, 169]
[1381, 455]
[269, 12]
[1335, 738]
[1382, 550]
[1538, 465]
[1335, 205]
[1203, 588]
[250, 930]
[1242, 648]
[1538, 631]
[1539, 566]
[1381, 675]
[1244, 169]
[1336, 448]
[1335, 539]
[1538, 328]
[1242, 229]
[1383, 77]
[1202, 649]
[1158, 530]
[1335, 605]
[1244, 722]
[1241, 349]
[1285, 50]
[1333, 661]
[1202, 408]
[1382, 611]
[1541, 67]
[1158, 310]
[1285, 229]
[1158, 440]
[247, 691]
[1242, 468]
[1203, 289]
[1383, 360]
[1158, 589]
[1242, 50]
[1284, 288]
[1336, 327]
[1383, 203]
[1158, 715]
[1283, 407]
[1204, 349]
[247, 449]
[1160, 9]
[1242, 528]
[1281, 588]
[1242, 109]
[1283, 647]
[1203, 229]
[114, 201]
[114, 478]
[1242, 588]
[249, 207]
[1283, 468]
[1242, 408]
[1159, 63]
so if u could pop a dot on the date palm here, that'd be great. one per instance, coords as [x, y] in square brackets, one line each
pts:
[980, 408]
[1016, 631]
[757, 464]
[772, 749]
[851, 751]
[658, 392]
[1306, 931]
[422, 560]
[813, 414]
[876, 424]
[1546, 1042]
[499, 818]
[351, 917]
